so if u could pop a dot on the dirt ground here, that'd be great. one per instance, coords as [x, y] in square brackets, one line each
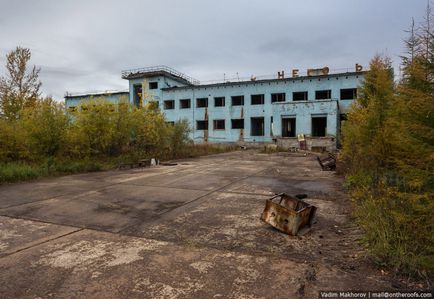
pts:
[185, 231]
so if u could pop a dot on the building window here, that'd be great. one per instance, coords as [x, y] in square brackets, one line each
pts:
[219, 102]
[348, 94]
[137, 88]
[257, 99]
[299, 96]
[72, 109]
[257, 126]
[237, 100]
[153, 85]
[288, 127]
[323, 94]
[202, 102]
[202, 125]
[185, 103]
[237, 123]
[277, 97]
[319, 126]
[169, 104]
[219, 124]
[170, 123]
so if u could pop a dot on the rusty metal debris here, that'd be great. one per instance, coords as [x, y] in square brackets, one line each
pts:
[327, 163]
[288, 214]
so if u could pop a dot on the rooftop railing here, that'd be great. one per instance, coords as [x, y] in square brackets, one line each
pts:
[160, 68]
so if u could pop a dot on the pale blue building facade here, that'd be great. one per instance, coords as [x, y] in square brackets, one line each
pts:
[252, 111]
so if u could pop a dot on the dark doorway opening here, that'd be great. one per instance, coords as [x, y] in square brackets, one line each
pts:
[257, 126]
[319, 126]
[288, 127]
[137, 94]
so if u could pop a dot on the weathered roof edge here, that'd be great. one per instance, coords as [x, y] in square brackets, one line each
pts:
[264, 81]
[96, 93]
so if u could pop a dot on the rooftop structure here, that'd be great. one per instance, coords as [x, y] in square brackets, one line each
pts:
[154, 71]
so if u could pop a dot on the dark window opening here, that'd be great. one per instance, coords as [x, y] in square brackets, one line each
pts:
[237, 100]
[299, 96]
[219, 102]
[257, 126]
[219, 124]
[257, 99]
[170, 123]
[238, 123]
[202, 102]
[72, 109]
[323, 94]
[202, 125]
[137, 94]
[319, 126]
[169, 104]
[348, 94]
[153, 85]
[185, 103]
[288, 127]
[278, 97]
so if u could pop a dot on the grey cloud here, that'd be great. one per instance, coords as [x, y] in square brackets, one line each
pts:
[83, 45]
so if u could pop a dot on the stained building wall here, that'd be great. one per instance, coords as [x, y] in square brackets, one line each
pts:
[168, 88]
[272, 113]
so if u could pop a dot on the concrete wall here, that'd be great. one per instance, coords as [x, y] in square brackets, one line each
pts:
[74, 101]
[303, 110]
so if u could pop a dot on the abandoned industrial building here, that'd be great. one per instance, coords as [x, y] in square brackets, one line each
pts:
[280, 110]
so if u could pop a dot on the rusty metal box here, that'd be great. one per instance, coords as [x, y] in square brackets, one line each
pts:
[288, 214]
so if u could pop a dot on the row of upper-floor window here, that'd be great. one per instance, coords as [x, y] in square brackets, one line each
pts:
[259, 99]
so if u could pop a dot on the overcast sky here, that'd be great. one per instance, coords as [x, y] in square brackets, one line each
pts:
[82, 45]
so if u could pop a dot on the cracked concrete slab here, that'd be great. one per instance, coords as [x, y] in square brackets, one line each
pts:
[110, 209]
[21, 193]
[18, 234]
[185, 231]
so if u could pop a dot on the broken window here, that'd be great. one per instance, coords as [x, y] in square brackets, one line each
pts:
[202, 125]
[219, 124]
[170, 123]
[257, 99]
[237, 123]
[72, 109]
[257, 126]
[169, 104]
[237, 100]
[299, 96]
[219, 102]
[202, 102]
[323, 94]
[153, 85]
[185, 103]
[277, 97]
[319, 126]
[348, 94]
[137, 94]
[288, 127]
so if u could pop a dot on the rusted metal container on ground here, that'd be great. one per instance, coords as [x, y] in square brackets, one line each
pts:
[288, 214]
